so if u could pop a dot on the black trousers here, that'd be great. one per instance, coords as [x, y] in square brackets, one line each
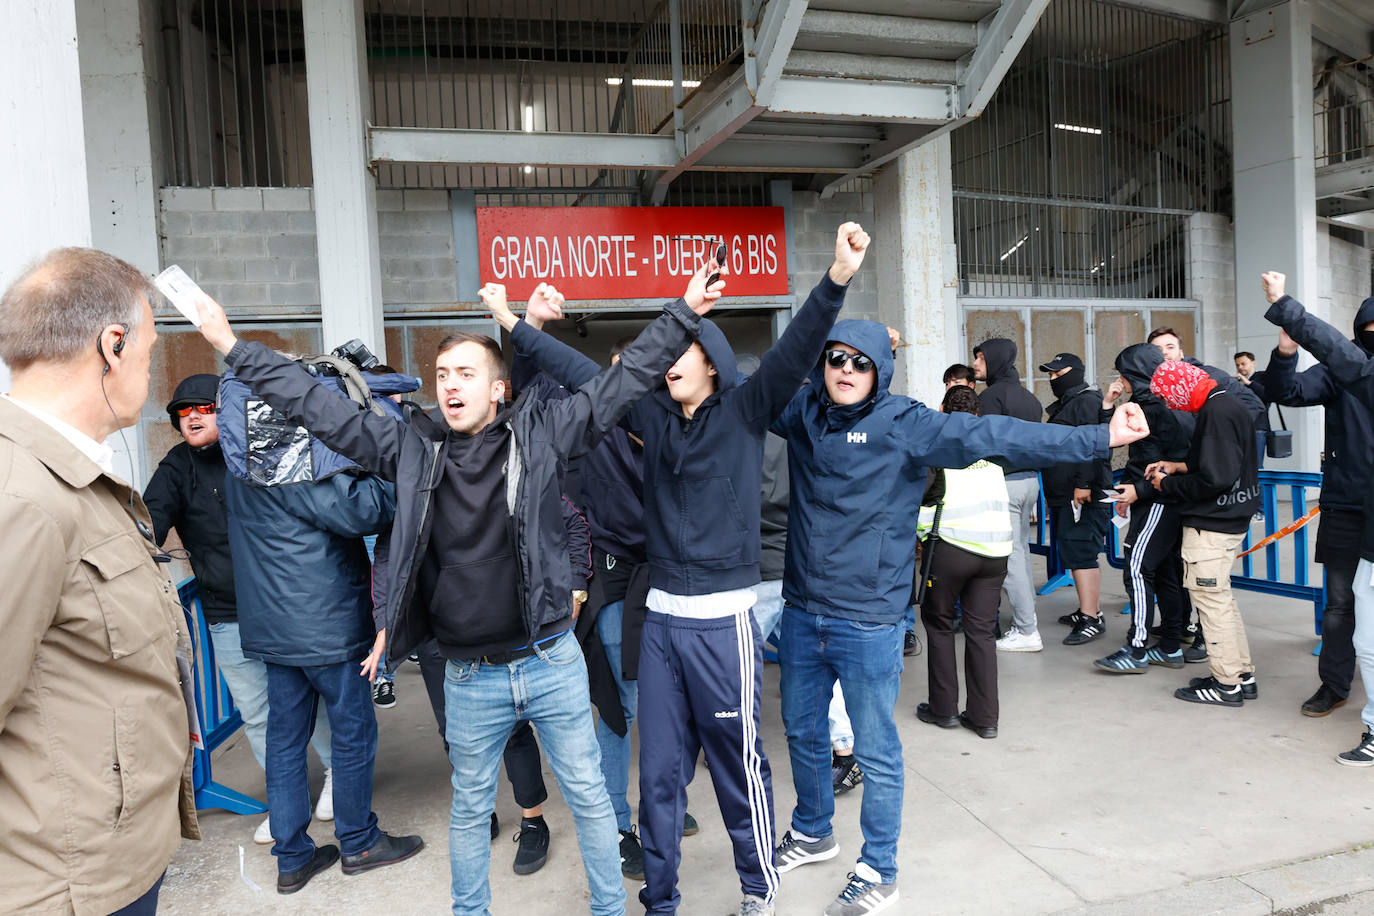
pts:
[975, 583]
[523, 767]
[1154, 571]
[1339, 530]
[145, 905]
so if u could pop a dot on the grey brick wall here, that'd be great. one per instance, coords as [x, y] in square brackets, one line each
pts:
[253, 249]
[813, 244]
[1212, 281]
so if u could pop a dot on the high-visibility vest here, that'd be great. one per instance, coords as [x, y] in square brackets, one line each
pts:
[977, 512]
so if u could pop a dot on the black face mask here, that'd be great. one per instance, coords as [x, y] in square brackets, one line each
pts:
[1367, 340]
[1066, 382]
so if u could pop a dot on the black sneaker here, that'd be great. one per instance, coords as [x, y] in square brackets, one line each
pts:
[690, 827]
[325, 856]
[631, 855]
[1362, 755]
[388, 850]
[495, 825]
[910, 644]
[1322, 702]
[1210, 691]
[1249, 689]
[1086, 630]
[533, 851]
[844, 773]
[1074, 619]
[384, 694]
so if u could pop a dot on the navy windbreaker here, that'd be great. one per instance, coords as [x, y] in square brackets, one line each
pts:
[858, 473]
[702, 477]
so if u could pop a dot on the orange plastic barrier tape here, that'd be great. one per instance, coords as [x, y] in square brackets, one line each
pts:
[1283, 532]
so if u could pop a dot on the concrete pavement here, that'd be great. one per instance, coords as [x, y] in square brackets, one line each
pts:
[1103, 794]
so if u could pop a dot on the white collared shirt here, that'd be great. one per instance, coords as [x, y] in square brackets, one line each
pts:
[98, 452]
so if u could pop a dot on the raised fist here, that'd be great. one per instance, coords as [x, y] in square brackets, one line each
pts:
[850, 244]
[1272, 282]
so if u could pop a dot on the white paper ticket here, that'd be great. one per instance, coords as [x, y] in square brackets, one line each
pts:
[181, 291]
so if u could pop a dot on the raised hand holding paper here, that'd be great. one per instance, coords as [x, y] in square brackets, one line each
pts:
[181, 291]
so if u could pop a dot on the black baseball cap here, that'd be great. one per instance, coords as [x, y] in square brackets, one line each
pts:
[1062, 361]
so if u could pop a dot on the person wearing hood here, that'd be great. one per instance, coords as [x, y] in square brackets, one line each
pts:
[1216, 490]
[186, 492]
[1347, 463]
[1252, 396]
[858, 461]
[1073, 494]
[700, 674]
[1349, 368]
[994, 364]
[1153, 569]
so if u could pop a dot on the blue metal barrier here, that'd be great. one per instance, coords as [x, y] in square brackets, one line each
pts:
[1043, 543]
[219, 717]
[1273, 581]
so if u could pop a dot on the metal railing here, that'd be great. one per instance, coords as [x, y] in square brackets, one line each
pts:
[1286, 569]
[1344, 128]
[1110, 129]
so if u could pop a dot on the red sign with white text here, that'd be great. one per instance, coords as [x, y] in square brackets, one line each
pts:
[630, 252]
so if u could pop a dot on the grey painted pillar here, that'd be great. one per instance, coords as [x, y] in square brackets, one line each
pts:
[117, 40]
[1275, 183]
[918, 267]
[345, 191]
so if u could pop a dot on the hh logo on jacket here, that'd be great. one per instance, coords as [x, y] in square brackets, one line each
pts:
[856, 438]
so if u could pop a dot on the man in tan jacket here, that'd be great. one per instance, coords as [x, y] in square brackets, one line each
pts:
[95, 757]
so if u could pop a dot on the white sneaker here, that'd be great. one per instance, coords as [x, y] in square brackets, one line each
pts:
[324, 809]
[263, 835]
[1016, 641]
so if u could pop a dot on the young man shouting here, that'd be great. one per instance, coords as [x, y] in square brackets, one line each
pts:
[479, 559]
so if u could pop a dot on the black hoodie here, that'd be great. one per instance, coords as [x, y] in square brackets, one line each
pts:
[1169, 435]
[1005, 395]
[1080, 405]
[1220, 491]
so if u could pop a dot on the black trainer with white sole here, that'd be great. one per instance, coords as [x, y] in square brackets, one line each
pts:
[1249, 689]
[1211, 692]
[1362, 755]
[1086, 630]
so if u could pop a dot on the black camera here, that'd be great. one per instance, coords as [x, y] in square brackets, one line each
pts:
[357, 353]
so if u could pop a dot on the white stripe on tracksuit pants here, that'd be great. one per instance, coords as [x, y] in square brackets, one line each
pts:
[699, 684]
[1154, 570]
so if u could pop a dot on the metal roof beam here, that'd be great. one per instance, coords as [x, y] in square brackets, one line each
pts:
[452, 146]
[1000, 38]
[910, 102]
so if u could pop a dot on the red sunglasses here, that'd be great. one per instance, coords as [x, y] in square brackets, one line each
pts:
[197, 408]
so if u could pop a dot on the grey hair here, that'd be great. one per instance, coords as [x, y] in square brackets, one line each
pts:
[60, 304]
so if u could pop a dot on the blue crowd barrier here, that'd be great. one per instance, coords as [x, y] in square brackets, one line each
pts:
[1288, 579]
[219, 717]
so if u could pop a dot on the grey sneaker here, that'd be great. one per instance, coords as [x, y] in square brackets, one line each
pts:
[862, 897]
[755, 906]
[792, 852]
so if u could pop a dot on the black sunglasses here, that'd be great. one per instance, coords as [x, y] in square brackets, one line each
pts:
[836, 359]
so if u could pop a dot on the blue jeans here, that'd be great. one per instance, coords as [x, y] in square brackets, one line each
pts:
[295, 695]
[1364, 636]
[867, 660]
[483, 703]
[615, 750]
[246, 679]
[768, 607]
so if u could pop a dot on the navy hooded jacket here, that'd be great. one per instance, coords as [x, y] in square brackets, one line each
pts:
[858, 473]
[702, 476]
[1348, 452]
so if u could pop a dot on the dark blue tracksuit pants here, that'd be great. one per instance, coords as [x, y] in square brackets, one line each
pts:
[699, 685]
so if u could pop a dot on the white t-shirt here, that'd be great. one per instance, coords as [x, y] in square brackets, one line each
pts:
[702, 607]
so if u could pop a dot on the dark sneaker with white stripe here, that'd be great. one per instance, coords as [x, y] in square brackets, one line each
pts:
[1123, 662]
[631, 855]
[792, 852]
[1249, 690]
[1362, 755]
[1197, 652]
[1074, 619]
[1086, 630]
[861, 896]
[1157, 656]
[1210, 691]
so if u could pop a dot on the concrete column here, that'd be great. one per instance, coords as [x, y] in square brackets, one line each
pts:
[345, 191]
[117, 42]
[1275, 182]
[918, 266]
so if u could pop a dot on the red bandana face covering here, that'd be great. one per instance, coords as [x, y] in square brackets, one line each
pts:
[1182, 386]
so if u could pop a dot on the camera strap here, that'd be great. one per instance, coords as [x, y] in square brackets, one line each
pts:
[354, 383]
